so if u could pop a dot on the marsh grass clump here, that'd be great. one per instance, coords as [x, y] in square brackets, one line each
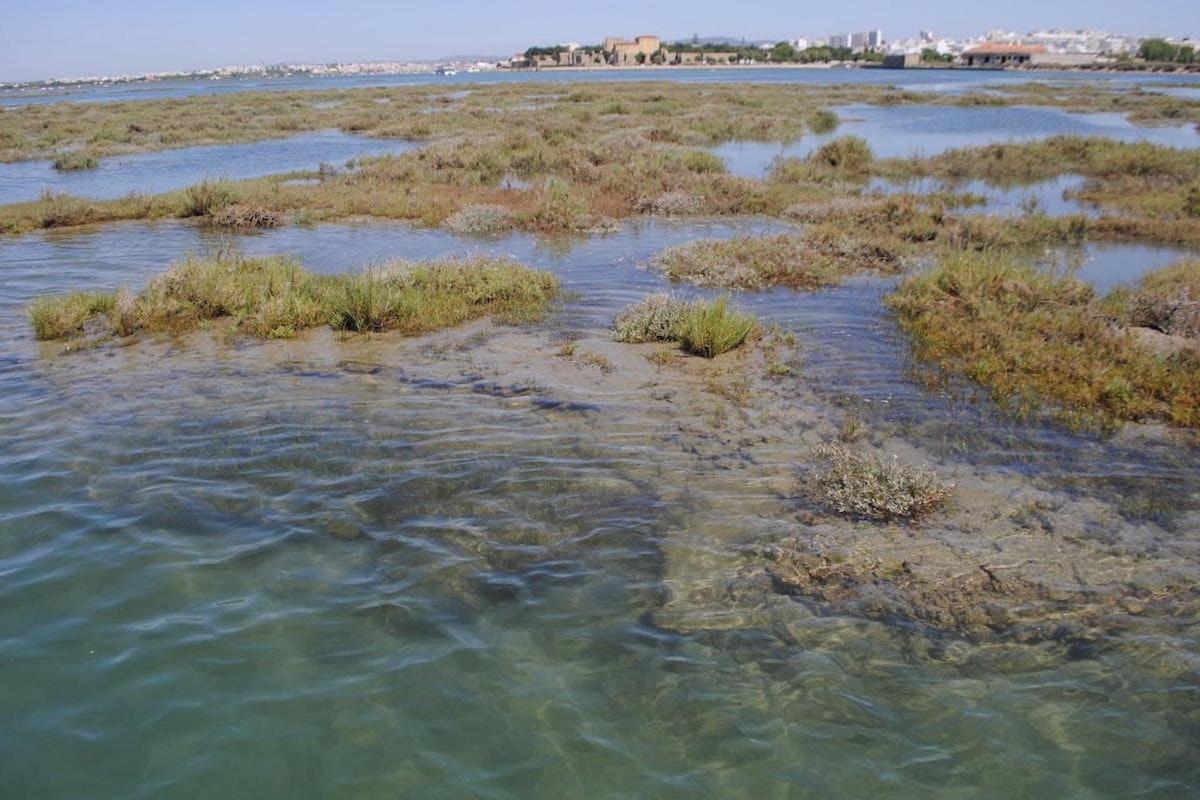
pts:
[64, 210]
[1167, 300]
[76, 160]
[480, 219]
[875, 488]
[677, 204]
[823, 121]
[206, 198]
[419, 297]
[558, 209]
[276, 298]
[1191, 200]
[711, 328]
[240, 215]
[657, 318]
[818, 258]
[64, 316]
[1030, 338]
[849, 154]
[703, 328]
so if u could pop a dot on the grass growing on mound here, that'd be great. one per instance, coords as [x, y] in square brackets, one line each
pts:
[849, 154]
[480, 218]
[875, 488]
[276, 298]
[703, 328]
[1167, 300]
[67, 315]
[822, 256]
[709, 329]
[244, 216]
[1031, 337]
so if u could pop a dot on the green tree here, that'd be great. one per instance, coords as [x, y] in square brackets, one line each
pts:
[1158, 50]
[640, 58]
[783, 52]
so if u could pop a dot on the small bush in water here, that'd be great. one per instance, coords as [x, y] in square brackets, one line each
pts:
[206, 198]
[709, 329]
[704, 328]
[480, 218]
[876, 488]
[76, 160]
[847, 154]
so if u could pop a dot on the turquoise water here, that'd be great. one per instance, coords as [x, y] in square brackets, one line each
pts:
[167, 170]
[354, 568]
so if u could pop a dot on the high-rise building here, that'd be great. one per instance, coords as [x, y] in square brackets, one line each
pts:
[874, 39]
[839, 40]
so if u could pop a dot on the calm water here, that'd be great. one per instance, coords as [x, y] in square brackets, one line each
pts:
[902, 131]
[923, 80]
[264, 569]
[1047, 197]
[166, 170]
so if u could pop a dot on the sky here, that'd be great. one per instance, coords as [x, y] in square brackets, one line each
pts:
[42, 39]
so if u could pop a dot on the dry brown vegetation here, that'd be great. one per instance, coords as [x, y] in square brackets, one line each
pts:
[821, 256]
[874, 488]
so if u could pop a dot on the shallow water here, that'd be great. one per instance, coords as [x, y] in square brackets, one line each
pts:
[167, 170]
[356, 568]
[1046, 197]
[904, 131]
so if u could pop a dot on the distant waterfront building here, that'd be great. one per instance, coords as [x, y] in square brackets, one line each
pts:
[622, 52]
[800, 43]
[1001, 55]
[839, 41]
[901, 61]
[863, 40]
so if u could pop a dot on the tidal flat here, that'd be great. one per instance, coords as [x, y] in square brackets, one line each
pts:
[708, 516]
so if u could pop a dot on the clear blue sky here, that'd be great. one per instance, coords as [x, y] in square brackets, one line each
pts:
[60, 38]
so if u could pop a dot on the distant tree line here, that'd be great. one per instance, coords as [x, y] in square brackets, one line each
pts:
[1163, 51]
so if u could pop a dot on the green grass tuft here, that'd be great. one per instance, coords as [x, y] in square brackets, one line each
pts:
[63, 316]
[703, 328]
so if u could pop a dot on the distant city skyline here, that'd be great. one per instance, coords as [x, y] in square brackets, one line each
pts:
[72, 38]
